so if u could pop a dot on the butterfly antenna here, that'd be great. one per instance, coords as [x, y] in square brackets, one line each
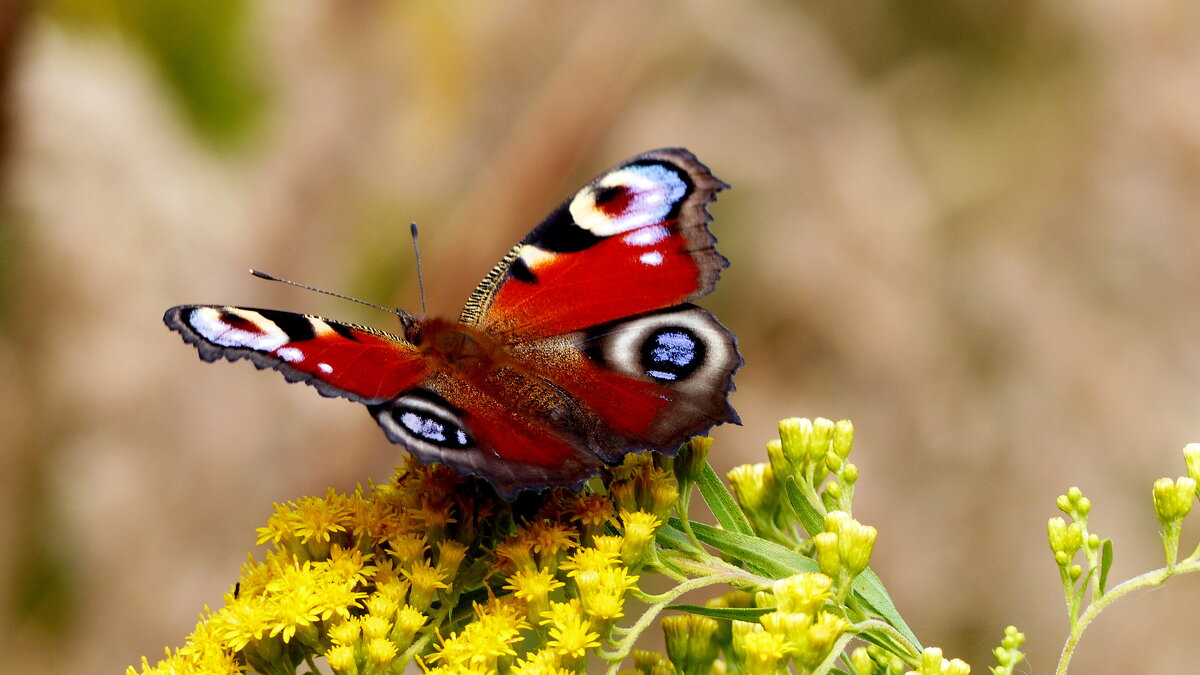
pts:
[420, 277]
[270, 277]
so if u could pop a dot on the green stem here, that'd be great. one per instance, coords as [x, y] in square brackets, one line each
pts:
[1152, 578]
[827, 665]
[633, 632]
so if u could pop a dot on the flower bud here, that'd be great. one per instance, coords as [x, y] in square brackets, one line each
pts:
[826, 545]
[1191, 458]
[794, 435]
[1173, 499]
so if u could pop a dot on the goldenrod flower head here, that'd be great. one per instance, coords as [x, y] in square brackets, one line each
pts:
[382, 605]
[589, 559]
[692, 457]
[690, 643]
[765, 599]
[593, 512]
[664, 492]
[434, 515]
[540, 662]
[609, 545]
[806, 592]
[932, 663]
[375, 627]
[755, 487]
[562, 612]
[795, 434]
[534, 587]
[490, 637]
[450, 557]
[409, 547]
[780, 464]
[820, 637]
[1191, 459]
[317, 518]
[571, 634]
[1173, 499]
[639, 530]
[604, 606]
[341, 659]
[407, 622]
[651, 663]
[425, 579]
[861, 662]
[1065, 540]
[825, 547]
[1074, 504]
[550, 541]
[843, 438]
[855, 543]
[761, 651]
[347, 632]
[381, 651]
[515, 553]
[791, 625]
[624, 495]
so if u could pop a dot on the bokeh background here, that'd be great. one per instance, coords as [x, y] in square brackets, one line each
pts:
[971, 227]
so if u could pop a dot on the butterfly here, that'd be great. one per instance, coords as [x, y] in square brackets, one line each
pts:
[578, 348]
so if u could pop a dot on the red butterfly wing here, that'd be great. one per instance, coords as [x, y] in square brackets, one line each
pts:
[339, 359]
[635, 239]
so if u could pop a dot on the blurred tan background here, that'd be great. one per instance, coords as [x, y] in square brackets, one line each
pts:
[971, 227]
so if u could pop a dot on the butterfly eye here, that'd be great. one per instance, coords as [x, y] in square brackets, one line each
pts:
[420, 419]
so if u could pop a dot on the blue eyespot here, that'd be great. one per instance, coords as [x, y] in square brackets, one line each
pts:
[671, 354]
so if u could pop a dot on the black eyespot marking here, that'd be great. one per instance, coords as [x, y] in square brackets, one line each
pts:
[428, 425]
[672, 354]
[296, 326]
[521, 272]
[422, 418]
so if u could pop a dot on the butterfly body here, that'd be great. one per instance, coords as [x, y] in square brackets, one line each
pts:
[579, 347]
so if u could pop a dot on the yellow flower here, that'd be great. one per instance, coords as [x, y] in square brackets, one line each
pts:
[589, 559]
[570, 632]
[491, 636]
[425, 580]
[639, 530]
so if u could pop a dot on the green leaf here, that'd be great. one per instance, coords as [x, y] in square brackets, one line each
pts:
[760, 556]
[810, 518]
[721, 503]
[870, 590]
[1106, 560]
[731, 613]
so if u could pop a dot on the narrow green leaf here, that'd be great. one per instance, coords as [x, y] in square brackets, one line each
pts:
[760, 556]
[869, 588]
[731, 613]
[1106, 560]
[721, 503]
[810, 518]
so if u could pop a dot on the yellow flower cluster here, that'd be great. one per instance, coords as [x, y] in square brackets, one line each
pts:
[434, 568]
[801, 627]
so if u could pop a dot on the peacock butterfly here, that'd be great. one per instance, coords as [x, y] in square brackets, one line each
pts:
[579, 347]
